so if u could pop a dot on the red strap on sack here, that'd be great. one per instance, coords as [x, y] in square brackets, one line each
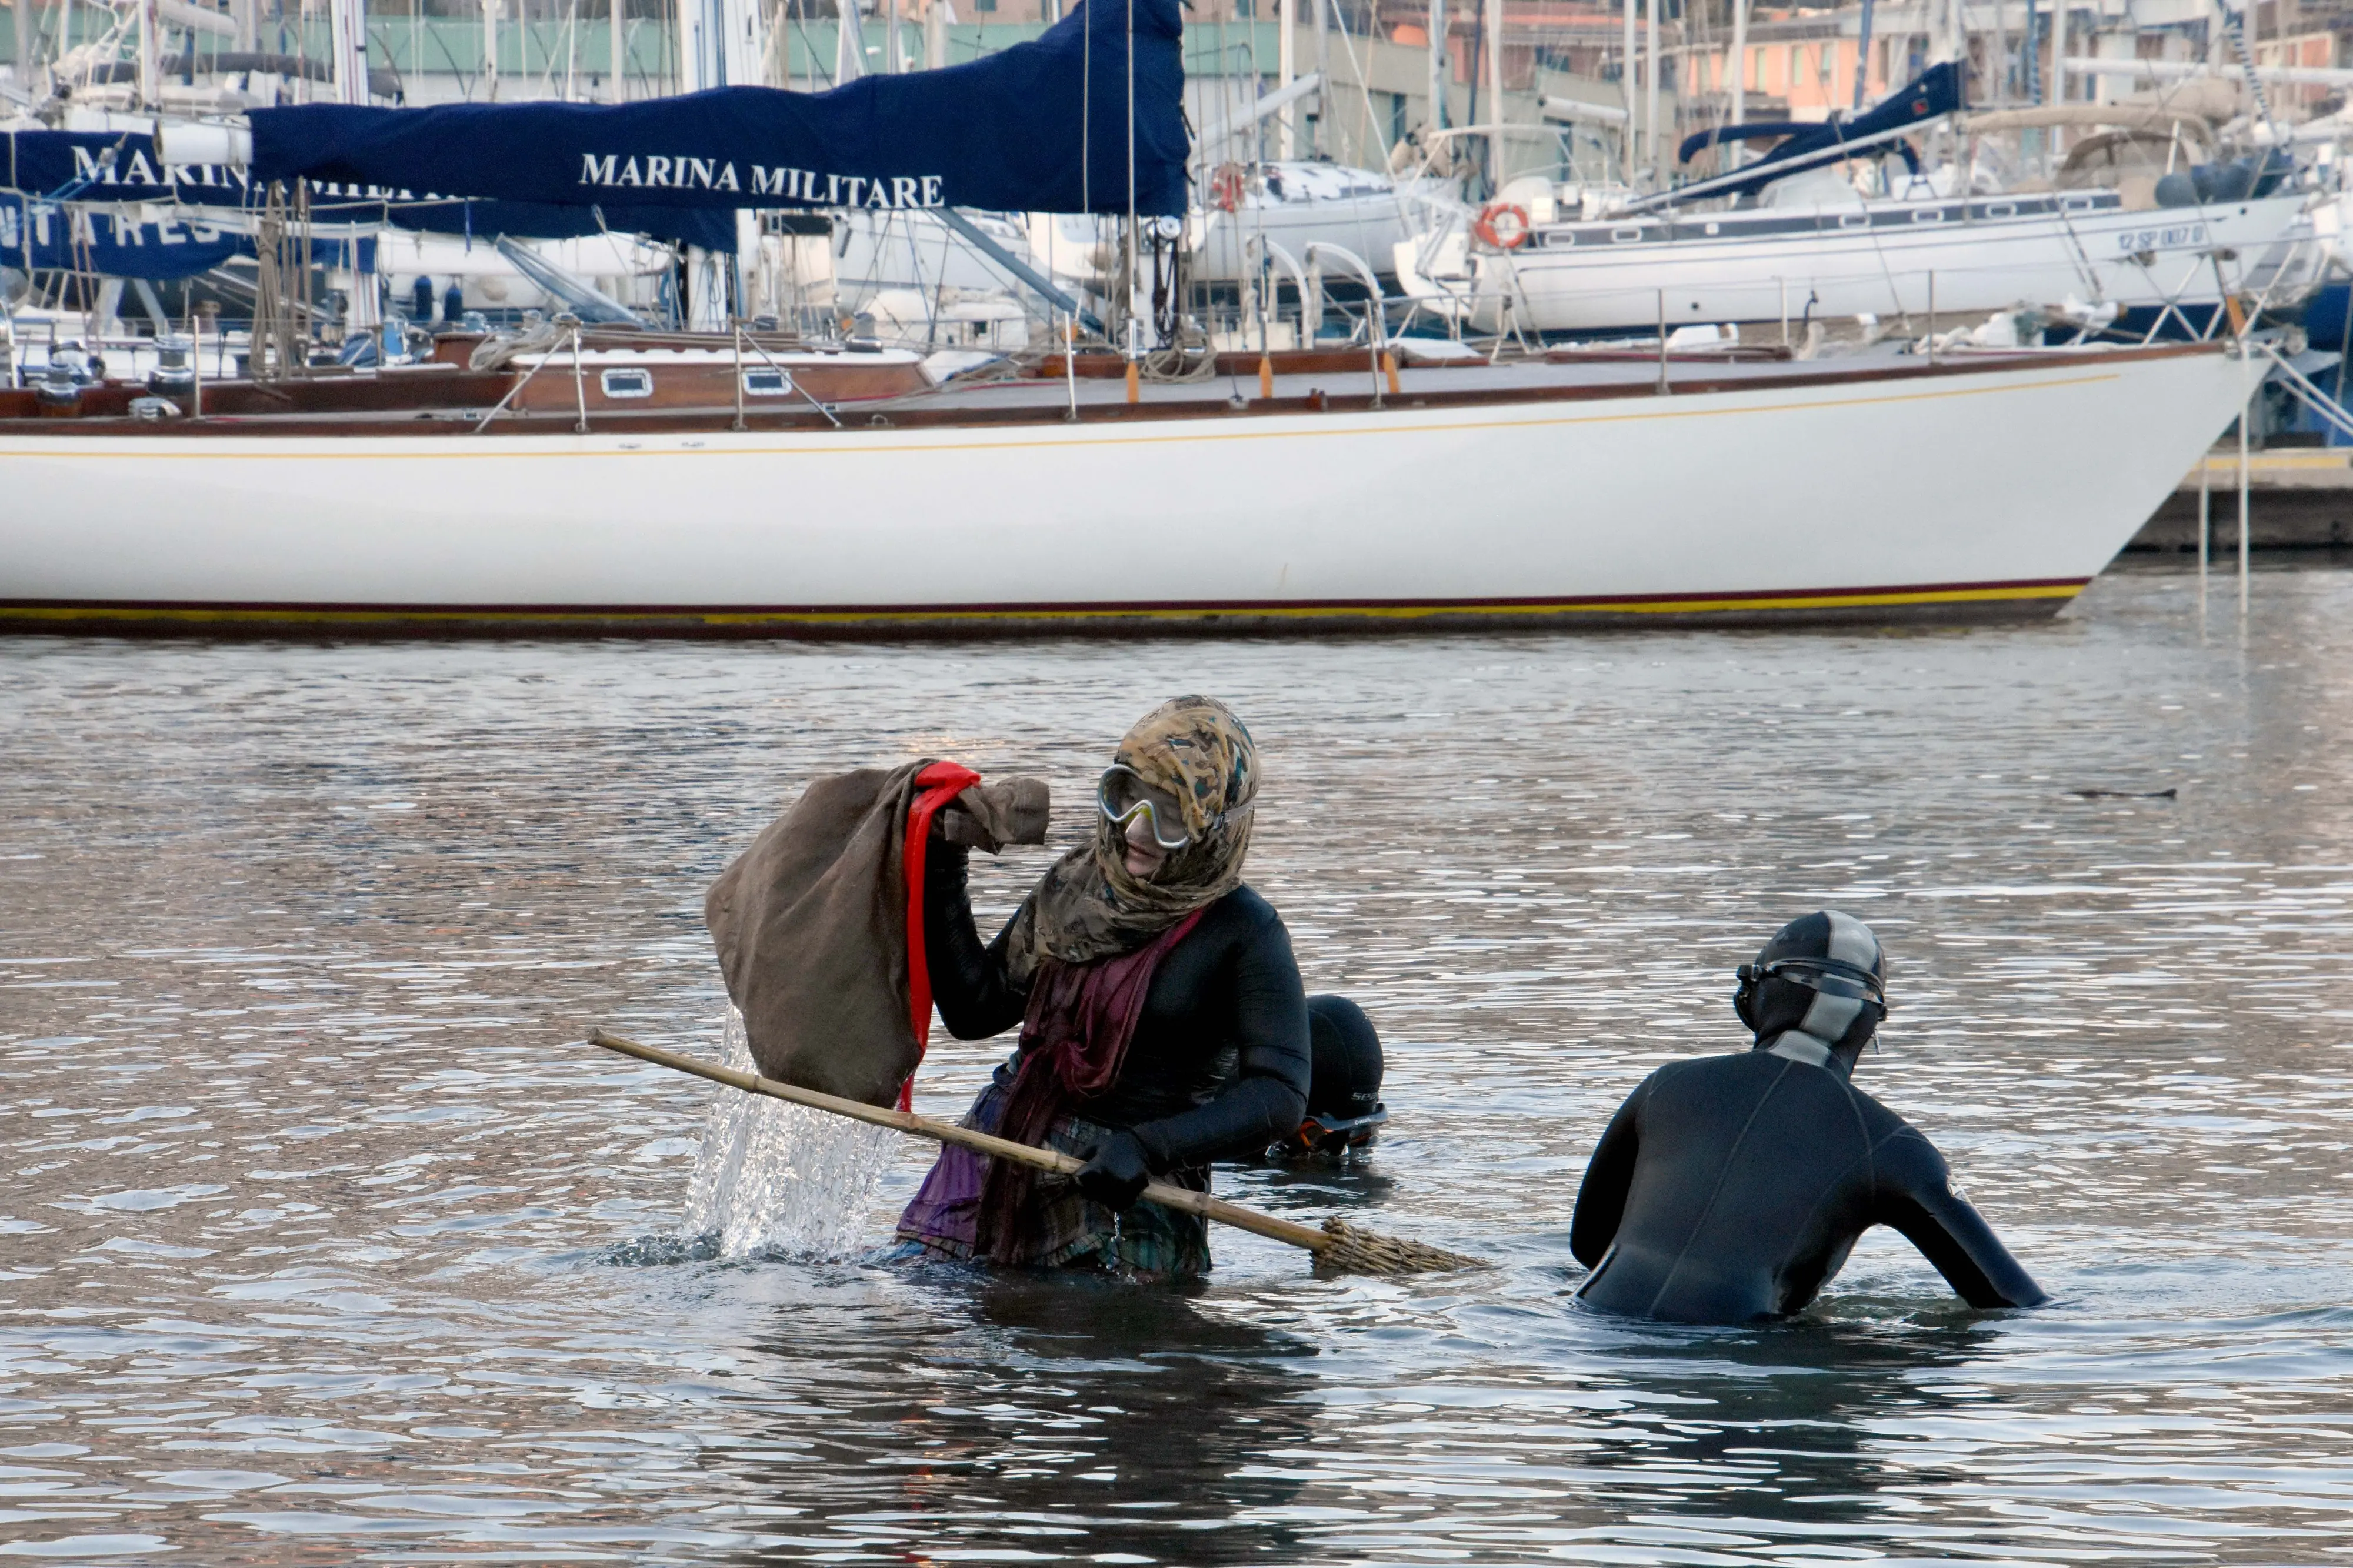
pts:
[940, 782]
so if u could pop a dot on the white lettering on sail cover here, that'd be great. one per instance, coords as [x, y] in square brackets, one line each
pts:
[611, 171]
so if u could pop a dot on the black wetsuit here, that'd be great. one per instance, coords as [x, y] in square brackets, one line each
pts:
[1732, 1188]
[1218, 1064]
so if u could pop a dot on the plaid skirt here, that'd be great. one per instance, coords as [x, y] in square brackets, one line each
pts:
[1061, 1227]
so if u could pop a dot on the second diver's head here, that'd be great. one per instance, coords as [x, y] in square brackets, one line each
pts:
[1816, 992]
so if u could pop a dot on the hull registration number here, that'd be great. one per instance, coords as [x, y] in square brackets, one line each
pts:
[2174, 238]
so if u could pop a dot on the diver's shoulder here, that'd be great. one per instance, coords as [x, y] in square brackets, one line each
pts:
[1242, 916]
[1246, 906]
[1889, 1131]
[1724, 1067]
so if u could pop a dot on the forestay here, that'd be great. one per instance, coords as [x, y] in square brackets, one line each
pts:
[1087, 117]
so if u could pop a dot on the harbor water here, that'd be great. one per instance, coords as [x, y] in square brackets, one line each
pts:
[323, 1239]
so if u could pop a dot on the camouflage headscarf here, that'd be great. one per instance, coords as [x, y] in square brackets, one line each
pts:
[1087, 906]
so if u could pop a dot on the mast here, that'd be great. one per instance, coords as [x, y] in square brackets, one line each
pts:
[1322, 142]
[1438, 71]
[1493, 28]
[151, 70]
[619, 90]
[1739, 78]
[1862, 54]
[849, 43]
[347, 38]
[1286, 67]
[1626, 84]
[490, 51]
[1651, 98]
[2000, 53]
[891, 40]
[24, 10]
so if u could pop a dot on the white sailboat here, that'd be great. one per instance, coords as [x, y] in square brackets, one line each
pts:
[1345, 500]
[1828, 226]
[1821, 250]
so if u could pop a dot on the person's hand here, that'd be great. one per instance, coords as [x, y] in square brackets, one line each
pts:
[1116, 1171]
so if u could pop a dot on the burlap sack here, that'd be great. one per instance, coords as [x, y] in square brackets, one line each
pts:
[811, 925]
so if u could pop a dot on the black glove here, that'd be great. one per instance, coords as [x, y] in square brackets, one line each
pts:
[1115, 1173]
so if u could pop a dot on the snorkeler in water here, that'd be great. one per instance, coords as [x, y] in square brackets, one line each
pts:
[1731, 1188]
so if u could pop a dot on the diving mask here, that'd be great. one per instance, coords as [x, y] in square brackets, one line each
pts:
[1125, 797]
[1829, 975]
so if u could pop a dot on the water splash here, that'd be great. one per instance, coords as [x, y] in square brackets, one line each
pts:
[778, 1180]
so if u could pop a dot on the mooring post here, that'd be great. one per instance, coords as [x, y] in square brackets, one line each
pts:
[2205, 523]
[2245, 413]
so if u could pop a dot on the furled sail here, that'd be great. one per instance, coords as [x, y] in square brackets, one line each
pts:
[1087, 117]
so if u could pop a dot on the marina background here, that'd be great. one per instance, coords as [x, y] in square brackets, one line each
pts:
[327, 1240]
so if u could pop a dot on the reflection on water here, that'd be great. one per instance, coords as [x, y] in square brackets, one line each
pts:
[325, 1242]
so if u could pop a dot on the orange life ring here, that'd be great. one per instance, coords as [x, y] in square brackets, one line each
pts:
[1504, 224]
[1225, 186]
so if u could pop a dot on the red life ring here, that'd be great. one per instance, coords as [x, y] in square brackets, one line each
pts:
[1225, 186]
[1504, 224]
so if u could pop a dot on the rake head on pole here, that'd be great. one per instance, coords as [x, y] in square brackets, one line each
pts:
[1354, 1251]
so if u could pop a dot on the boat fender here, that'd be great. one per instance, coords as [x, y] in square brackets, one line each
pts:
[1226, 185]
[1504, 224]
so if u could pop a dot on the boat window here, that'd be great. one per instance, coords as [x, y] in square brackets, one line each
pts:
[767, 383]
[1927, 215]
[2075, 204]
[627, 382]
[1854, 220]
[1622, 234]
[2001, 209]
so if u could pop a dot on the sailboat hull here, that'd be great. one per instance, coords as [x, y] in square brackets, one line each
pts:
[1952, 493]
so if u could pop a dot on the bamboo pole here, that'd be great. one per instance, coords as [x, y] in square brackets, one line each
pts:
[1337, 1245]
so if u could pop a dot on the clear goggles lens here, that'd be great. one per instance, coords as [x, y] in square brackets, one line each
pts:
[1125, 797]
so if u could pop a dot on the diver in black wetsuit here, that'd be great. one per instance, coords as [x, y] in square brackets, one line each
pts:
[1732, 1188]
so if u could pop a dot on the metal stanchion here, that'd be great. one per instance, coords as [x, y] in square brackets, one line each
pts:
[739, 375]
[1662, 342]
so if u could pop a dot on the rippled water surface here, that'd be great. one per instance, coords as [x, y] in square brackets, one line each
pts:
[325, 1242]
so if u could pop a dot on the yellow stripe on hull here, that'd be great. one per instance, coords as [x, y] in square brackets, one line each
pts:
[193, 618]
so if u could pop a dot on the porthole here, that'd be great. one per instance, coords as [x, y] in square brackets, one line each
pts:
[627, 382]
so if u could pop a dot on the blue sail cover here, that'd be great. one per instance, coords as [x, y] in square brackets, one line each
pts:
[1042, 126]
[1934, 93]
[120, 167]
[115, 243]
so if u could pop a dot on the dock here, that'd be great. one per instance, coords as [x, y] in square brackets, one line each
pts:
[2300, 497]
